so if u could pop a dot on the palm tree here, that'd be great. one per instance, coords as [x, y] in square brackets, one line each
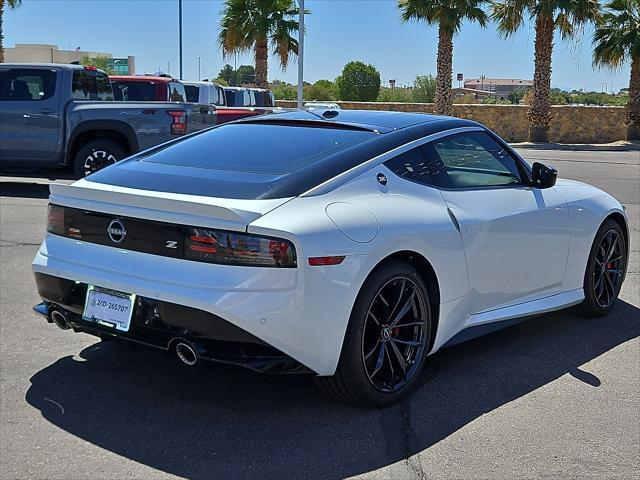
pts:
[251, 24]
[11, 4]
[566, 16]
[448, 15]
[616, 41]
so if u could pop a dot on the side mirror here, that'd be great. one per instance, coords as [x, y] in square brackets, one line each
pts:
[543, 176]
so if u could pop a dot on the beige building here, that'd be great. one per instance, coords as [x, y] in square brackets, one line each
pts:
[45, 53]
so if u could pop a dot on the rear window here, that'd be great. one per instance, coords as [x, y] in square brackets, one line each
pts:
[259, 148]
[193, 93]
[134, 91]
[20, 85]
[91, 85]
[238, 98]
[263, 99]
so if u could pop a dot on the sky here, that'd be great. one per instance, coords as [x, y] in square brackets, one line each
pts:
[338, 31]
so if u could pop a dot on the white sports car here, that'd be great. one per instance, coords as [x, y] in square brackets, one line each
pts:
[350, 245]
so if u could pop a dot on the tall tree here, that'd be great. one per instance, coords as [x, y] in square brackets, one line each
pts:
[358, 82]
[252, 24]
[548, 15]
[449, 16]
[11, 4]
[617, 41]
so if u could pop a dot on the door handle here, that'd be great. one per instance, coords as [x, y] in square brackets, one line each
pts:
[454, 220]
[47, 111]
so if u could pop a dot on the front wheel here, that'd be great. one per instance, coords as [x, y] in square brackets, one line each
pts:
[605, 270]
[96, 155]
[386, 343]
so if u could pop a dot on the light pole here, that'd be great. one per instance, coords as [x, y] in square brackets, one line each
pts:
[198, 68]
[180, 33]
[300, 51]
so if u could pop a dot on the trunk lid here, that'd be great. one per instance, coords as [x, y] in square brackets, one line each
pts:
[184, 209]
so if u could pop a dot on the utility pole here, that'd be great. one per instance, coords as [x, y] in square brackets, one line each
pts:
[300, 52]
[180, 33]
[198, 68]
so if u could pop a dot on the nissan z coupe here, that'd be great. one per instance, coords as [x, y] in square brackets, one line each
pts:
[349, 245]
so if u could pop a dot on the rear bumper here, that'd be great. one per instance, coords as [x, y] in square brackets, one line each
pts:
[301, 313]
[161, 324]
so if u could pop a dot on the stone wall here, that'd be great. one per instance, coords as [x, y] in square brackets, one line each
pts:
[568, 124]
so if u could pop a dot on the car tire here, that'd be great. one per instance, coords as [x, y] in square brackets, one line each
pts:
[605, 271]
[96, 155]
[360, 378]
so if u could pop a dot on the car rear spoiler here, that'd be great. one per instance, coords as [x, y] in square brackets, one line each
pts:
[231, 214]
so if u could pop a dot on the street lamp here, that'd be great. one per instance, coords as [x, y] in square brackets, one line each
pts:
[180, 33]
[300, 51]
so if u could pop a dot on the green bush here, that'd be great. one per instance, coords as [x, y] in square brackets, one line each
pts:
[424, 89]
[284, 91]
[358, 82]
[321, 90]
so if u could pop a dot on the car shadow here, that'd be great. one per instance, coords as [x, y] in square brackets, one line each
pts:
[213, 421]
[24, 190]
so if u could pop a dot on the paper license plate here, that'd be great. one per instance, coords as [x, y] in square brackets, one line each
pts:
[109, 308]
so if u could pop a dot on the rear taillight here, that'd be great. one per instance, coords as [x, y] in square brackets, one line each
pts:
[229, 248]
[55, 220]
[178, 122]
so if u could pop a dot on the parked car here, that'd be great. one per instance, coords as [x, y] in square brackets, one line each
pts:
[249, 97]
[349, 247]
[205, 92]
[163, 89]
[213, 94]
[238, 97]
[146, 88]
[262, 97]
[64, 116]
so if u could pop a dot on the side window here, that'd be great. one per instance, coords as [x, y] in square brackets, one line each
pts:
[90, 85]
[213, 95]
[412, 165]
[471, 160]
[176, 92]
[103, 87]
[221, 99]
[23, 85]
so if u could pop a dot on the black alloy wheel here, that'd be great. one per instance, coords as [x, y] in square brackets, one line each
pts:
[608, 268]
[387, 340]
[393, 340]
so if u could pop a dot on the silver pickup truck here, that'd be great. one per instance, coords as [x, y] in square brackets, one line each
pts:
[63, 116]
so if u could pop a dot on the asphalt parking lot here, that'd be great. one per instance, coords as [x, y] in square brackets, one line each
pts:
[554, 397]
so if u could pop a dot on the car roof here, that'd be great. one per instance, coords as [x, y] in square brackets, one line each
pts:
[196, 83]
[142, 78]
[66, 66]
[381, 121]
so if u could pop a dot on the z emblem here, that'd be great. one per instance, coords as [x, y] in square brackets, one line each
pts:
[172, 244]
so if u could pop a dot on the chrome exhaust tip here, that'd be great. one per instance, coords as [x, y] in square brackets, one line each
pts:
[59, 318]
[186, 353]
